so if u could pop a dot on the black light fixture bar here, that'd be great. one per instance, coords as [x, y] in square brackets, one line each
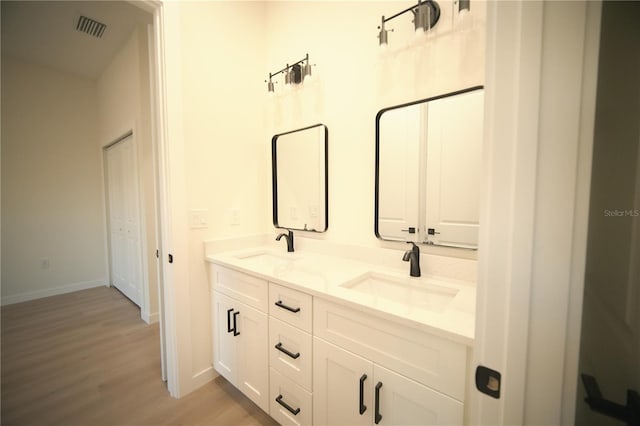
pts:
[403, 12]
[306, 58]
[296, 68]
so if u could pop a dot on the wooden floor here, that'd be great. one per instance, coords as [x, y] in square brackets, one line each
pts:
[86, 358]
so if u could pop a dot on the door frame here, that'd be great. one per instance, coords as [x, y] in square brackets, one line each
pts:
[167, 141]
[541, 74]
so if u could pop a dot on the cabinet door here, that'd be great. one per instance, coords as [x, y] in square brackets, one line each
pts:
[224, 342]
[252, 329]
[342, 385]
[399, 400]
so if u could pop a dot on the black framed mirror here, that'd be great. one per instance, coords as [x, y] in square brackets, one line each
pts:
[300, 179]
[428, 169]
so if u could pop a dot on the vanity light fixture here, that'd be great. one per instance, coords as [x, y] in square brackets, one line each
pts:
[293, 74]
[425, 16]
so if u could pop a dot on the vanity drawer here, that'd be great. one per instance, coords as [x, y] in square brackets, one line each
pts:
[242, 287]
[290, 306]
[293, 356]
[289, 394]
[427, 359]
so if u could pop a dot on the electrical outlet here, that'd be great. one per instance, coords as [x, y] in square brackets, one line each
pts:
[44, 263]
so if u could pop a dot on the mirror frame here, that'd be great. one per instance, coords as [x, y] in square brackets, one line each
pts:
[377, 159]
[274, 177]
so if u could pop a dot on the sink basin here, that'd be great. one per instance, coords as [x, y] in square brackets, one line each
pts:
[268, 258]
[413, 293]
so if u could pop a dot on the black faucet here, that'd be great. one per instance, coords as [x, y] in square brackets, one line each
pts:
[413, 256]
[289, 237]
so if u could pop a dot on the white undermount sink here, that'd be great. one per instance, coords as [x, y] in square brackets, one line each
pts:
[414, 293]
[268, 258]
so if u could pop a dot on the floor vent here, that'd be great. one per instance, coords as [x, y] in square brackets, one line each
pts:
[90, 26]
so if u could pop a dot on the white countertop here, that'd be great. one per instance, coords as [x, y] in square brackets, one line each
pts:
[328, 277]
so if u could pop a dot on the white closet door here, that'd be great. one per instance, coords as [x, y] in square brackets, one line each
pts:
[124, 219]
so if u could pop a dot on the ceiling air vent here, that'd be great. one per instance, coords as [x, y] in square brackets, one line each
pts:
[90, 26]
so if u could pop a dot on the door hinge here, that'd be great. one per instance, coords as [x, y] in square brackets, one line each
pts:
[157, 254]
[170, 258]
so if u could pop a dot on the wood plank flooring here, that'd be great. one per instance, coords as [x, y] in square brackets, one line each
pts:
[86, 358]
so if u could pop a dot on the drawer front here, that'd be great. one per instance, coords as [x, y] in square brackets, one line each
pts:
[430, 360]
[290, 352]
[287, 398]
[290, 306]
[242, 287]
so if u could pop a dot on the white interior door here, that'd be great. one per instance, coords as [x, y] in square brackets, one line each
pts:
[124, 219]
[454, 149]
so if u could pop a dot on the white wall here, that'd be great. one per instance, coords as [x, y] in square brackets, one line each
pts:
[215, 54]
[123, 105]
[51, 183]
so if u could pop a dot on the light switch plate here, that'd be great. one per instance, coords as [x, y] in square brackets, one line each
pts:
[198, 219]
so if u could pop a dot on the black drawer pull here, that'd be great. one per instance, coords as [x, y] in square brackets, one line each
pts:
[286, 352]
[288, 308]
[287, 406]
[363, 407]
[235, 323]
[378, 415]
[229, 328]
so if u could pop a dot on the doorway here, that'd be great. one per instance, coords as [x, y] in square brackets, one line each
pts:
[610, 341]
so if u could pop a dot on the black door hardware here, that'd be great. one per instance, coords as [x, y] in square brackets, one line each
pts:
[287, 406]
[157, 254]
[411, 230]
[378, 416]
[229, 328]
[235, 323]
[286, 352]
[363, 407]
[629, 413]
[170, 258]
[288, 308]
[432, 231]
[488, 381]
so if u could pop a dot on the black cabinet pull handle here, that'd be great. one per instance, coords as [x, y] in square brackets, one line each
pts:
[286, 352]
[288, 308]
[235, 324]
[378, 415]
[229, 329]
[363, 407]
[287, 406]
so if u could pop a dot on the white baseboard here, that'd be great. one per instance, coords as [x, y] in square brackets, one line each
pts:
[150, 318]
[39, 294]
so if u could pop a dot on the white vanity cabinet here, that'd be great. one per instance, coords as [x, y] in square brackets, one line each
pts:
[366, 371]
[240, 333]
[290, 355]
[310, 360]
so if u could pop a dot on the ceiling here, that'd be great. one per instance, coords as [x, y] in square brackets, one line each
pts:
[44, 33]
